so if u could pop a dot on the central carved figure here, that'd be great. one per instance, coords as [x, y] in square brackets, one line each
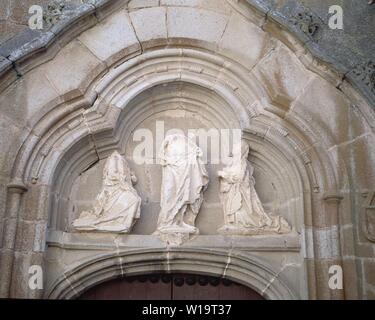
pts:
[184, 180]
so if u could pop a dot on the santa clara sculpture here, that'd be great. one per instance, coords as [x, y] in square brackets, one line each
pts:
[184, 180]
[243, 212]
[117, 207]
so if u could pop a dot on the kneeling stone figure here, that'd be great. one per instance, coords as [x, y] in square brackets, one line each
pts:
[117, 207]
[243, 212]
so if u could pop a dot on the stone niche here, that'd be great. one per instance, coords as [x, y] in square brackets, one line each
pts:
[161, 109]
[277, 258]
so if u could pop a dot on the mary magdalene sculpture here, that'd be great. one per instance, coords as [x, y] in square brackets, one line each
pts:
[183, 182]
[243, 211]
[117, 207]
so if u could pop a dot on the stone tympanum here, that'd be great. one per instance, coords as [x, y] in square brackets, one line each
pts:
[243, 211]
[117, 207]
[184, 180]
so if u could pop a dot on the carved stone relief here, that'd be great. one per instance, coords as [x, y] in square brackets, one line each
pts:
[183, 183]
[243, 211]
[308, 23]
[54, 12]
[366, 74]
[117, 207]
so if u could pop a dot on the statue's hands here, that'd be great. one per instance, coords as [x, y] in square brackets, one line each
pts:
[134, 179]
[236, 177]
[230, 177]
[225, 187]
[221, 174]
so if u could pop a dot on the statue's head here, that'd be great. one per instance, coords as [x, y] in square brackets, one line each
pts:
[241, 150]
[116, 168]
[178, 146]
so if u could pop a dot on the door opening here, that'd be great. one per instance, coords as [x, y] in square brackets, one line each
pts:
[170, 287]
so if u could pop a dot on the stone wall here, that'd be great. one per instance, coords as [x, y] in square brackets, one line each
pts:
[14, 16]
[348, 51]
[191, 64]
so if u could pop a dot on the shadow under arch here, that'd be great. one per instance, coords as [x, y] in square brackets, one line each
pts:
[243, 269]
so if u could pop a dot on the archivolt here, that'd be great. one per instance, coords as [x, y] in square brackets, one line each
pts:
[73, 136]
[95, 129]
[249, 271]
[94, 125]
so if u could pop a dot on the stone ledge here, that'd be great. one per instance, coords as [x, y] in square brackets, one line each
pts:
[108, 241]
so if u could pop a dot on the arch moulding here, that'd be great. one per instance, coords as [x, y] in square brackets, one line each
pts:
[75, 131]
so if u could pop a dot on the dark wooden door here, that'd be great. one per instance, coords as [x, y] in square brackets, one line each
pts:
[171, 287]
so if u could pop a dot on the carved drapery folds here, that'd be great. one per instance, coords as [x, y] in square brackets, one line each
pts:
[118, 206]
[292, 148]
[184, 180]
[243, 211]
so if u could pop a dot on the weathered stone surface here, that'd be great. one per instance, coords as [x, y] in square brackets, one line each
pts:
[320, 99]
[122, 42]
[363, 77]
[21, 40]
[5, 64]
[214, 5]
[361, 153]
[191, 64]
[139, 4]
[36, 203]
[70, 14]
[22, 100]
[71, 76]
[12, 137]
[285, 13]
[369, 270]
[9, 30]
[351, 279]
[282, 75]
[102, 241]
[205, 25]
[244, 42]
[150, 25]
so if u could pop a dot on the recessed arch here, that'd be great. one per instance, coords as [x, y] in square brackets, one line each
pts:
[102, 124]
[72, 133]
[248, 271]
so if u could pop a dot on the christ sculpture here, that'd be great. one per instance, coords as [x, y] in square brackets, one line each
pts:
[184, 179]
